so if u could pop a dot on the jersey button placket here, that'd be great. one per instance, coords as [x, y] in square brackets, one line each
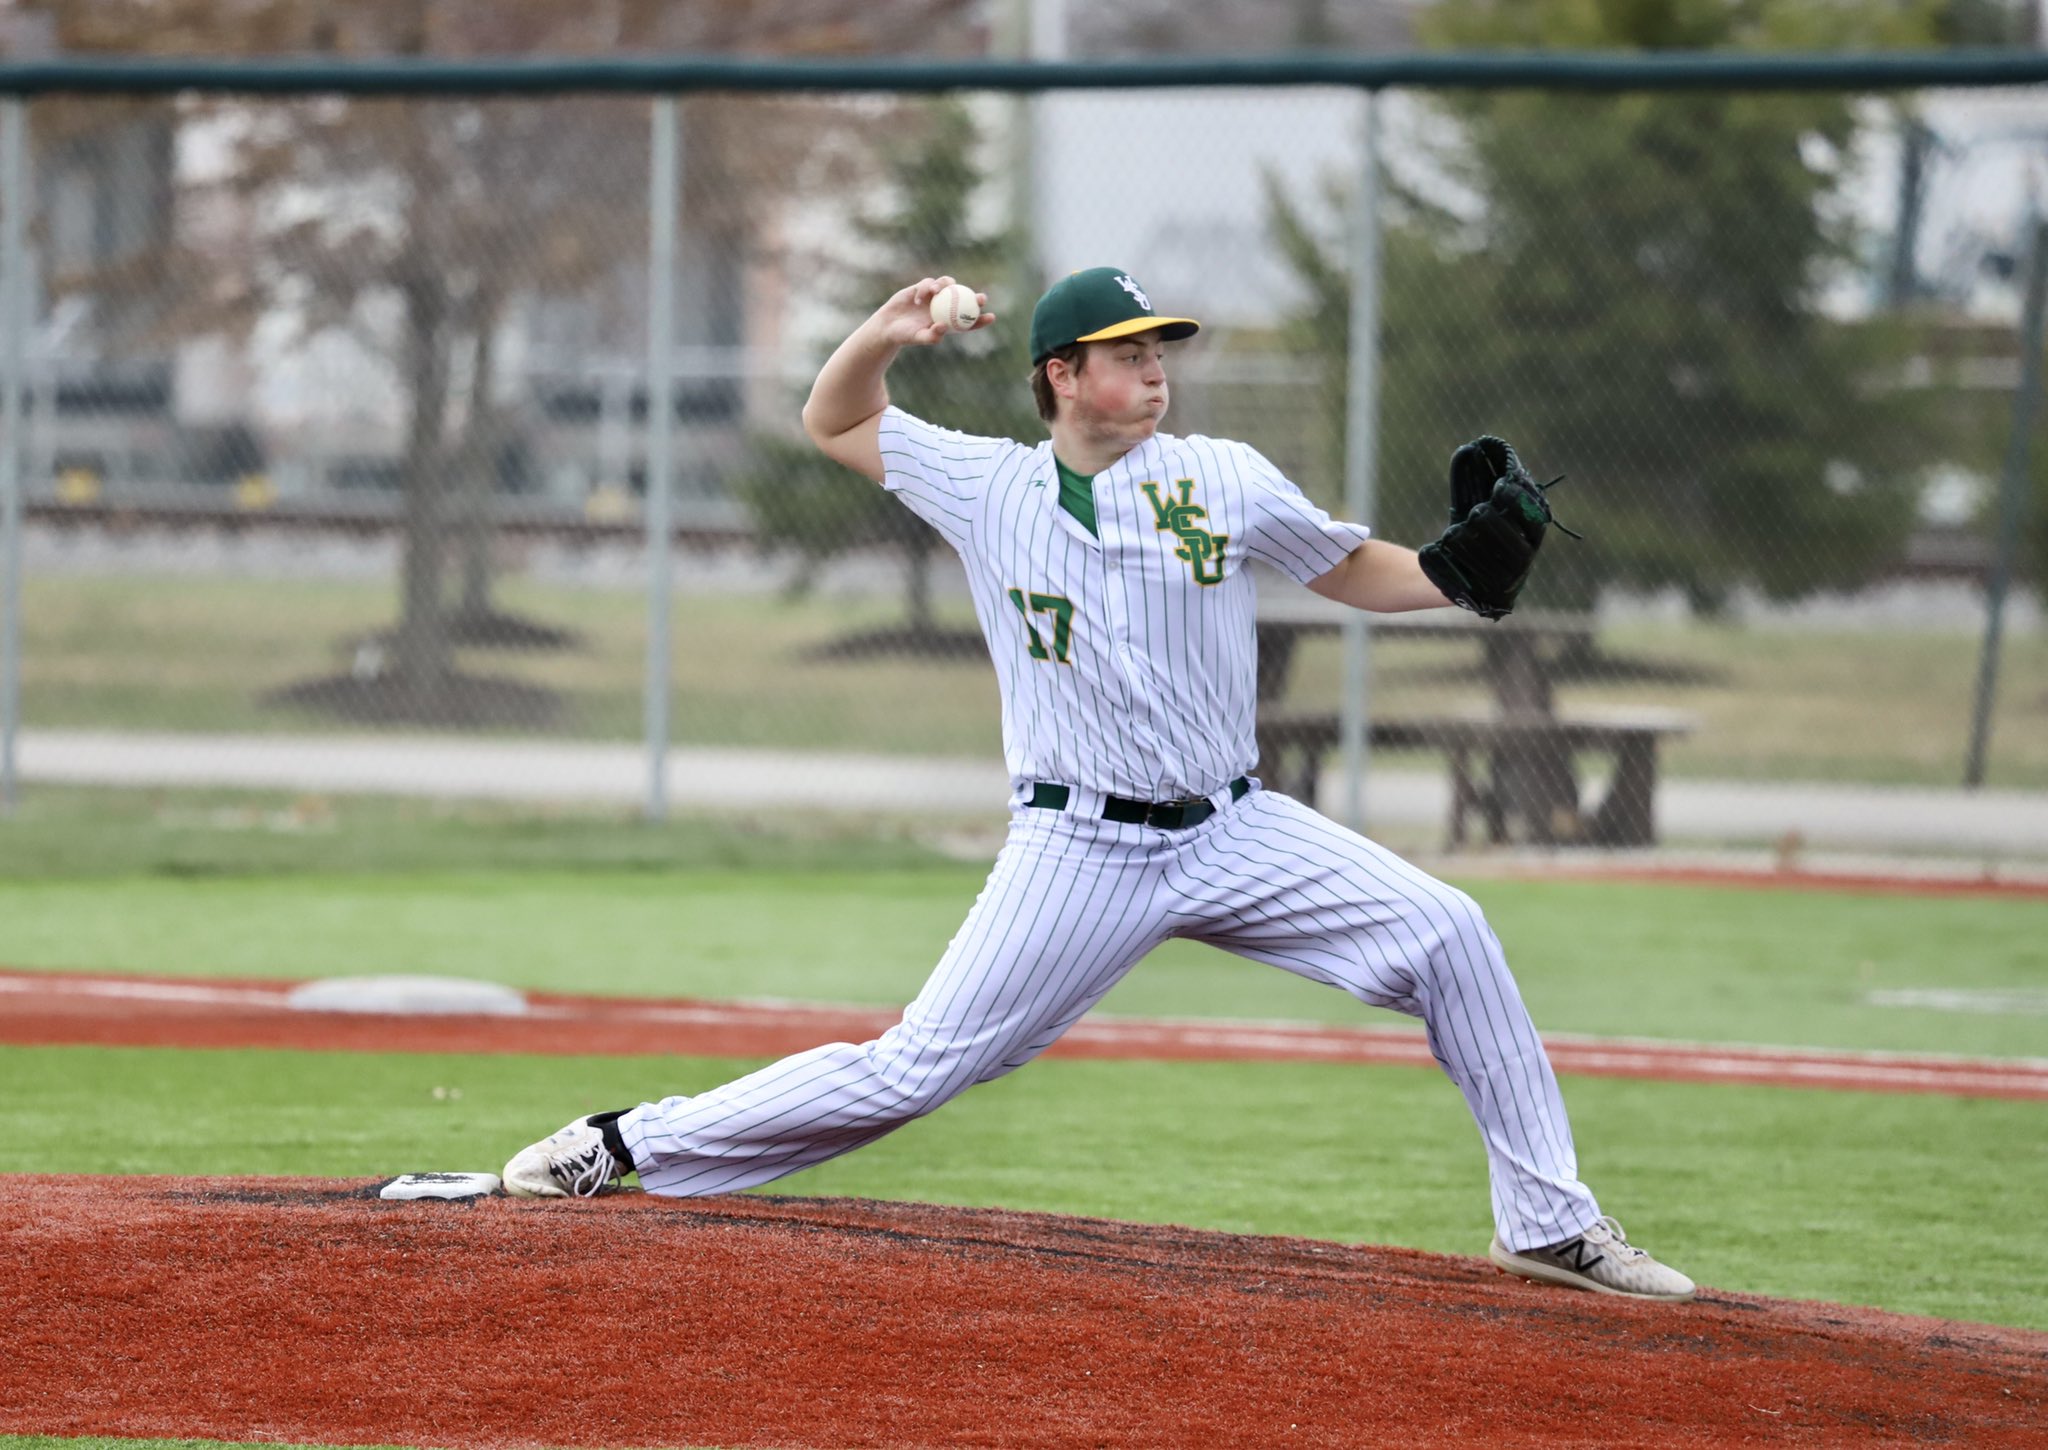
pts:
[1116, 565]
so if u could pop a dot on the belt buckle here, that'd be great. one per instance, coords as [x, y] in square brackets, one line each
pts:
[1178, 815]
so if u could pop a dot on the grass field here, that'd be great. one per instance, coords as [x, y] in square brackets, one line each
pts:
[1653, 961]
[198, 654]
[1904, 1202]
[216, 886]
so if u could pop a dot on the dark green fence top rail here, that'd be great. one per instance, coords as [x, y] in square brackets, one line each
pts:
[654, 75]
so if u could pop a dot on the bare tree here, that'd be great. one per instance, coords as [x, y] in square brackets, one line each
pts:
[415, 227]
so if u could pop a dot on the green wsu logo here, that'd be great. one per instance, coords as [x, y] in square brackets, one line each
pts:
[1182, 517]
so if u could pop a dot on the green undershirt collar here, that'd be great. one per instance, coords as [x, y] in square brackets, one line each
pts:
[1077, 495]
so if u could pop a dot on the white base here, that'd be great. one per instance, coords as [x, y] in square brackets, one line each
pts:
[440, 1185]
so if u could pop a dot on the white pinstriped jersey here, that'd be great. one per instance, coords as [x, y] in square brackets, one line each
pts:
[1128, 661]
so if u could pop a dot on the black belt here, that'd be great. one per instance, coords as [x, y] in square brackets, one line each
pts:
[1166, 815]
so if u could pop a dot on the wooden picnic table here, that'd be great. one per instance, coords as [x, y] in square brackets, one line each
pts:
[1515, 769]
[1520, 653]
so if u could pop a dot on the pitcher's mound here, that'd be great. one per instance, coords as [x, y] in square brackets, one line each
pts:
[299, 1310]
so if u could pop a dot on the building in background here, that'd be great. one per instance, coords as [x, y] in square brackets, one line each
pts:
[102, 400]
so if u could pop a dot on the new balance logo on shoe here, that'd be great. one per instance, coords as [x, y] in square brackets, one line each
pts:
[1579, 1255]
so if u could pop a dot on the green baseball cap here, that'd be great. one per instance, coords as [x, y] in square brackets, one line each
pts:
[1094, 306]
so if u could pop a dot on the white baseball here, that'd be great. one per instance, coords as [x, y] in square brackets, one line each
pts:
[954, 307]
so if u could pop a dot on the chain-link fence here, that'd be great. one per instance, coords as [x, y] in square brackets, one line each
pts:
[334, 441]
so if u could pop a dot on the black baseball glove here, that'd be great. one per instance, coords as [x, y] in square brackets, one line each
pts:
[1499, 515]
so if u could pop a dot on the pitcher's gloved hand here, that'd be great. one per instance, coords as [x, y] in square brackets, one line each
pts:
[1499, 515]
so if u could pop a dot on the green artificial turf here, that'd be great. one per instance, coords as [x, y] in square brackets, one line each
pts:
[1908, 1203]
[1896, 1201]
[1705, 963]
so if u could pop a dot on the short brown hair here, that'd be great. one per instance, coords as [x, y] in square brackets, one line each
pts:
[1075, 356]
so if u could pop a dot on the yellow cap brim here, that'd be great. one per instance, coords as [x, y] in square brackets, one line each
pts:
[1175, 328]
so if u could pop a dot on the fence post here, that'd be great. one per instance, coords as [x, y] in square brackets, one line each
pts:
[2012, 488]
[1361, 447]
[664, 177]
[14, 306]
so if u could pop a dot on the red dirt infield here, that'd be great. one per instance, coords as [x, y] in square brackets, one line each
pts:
[54, 1007]
[293, 1309]
[2029, 885]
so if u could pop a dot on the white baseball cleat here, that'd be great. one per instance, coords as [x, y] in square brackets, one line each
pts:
[573, 1163]
[1600, 1259]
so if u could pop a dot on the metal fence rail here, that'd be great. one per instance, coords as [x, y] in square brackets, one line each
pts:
[688, 74]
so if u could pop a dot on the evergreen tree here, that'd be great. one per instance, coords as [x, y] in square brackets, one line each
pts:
[976, 382]
[1635, 302]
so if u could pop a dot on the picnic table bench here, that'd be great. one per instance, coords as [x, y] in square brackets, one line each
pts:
[1516, 776]
[1514, 770]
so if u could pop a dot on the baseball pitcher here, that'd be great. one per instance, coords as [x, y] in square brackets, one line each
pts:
[1108, 568]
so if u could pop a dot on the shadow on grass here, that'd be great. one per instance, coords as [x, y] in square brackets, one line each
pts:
[451, 701]
[908, 641]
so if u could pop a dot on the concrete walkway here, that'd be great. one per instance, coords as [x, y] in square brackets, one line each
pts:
[1829, 817]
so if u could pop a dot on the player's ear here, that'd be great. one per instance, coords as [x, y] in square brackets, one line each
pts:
[1058, 376]
[1060, 371]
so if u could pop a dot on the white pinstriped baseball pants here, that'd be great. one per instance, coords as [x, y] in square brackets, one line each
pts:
[1073, 903]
